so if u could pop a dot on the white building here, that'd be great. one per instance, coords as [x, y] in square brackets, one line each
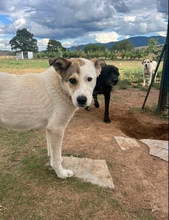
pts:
[24, 55]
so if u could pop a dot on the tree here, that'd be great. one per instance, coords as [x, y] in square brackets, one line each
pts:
[24, 41]
[124, 45]
[91, 48]
[55, 46]
[152, 43]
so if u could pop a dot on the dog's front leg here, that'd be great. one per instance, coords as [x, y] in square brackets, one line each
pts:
[54, 145]
[155, 78]
[144, 79]
[106, 112]
[150, 78]
[96, 103]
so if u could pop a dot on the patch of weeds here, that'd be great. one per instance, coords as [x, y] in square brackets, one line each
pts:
[153, 108]
[14, 138]
[115, 98]
[33, 166]
[156, 85]
[80, 184]
[7, 182]
[164, 114]
[135, 109]
[137, 86]
[142, 215]
[123, 84]
[140, 87]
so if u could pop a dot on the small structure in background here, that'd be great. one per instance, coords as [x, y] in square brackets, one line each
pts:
[24, 55]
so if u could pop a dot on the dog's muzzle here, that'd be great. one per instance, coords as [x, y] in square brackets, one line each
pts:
[115, 82]
[82, 100]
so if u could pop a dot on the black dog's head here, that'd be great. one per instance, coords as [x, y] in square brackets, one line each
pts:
[109, 76]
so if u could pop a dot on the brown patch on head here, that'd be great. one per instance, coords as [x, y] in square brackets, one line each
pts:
[73, 69]
[78, 60]
[60, 64]
[99, 64]
[66, 67]
[74, 81]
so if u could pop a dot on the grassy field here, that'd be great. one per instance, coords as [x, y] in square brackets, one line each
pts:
[130, 71]
[30, 190]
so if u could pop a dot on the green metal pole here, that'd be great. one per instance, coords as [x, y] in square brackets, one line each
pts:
[163, 102]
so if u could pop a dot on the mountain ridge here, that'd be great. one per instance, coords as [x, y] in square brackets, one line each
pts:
[139, 41]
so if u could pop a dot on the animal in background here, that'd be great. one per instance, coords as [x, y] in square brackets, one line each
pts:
[148, 70]
[107, 79]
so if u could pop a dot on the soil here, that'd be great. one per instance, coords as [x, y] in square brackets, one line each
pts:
[140, 179]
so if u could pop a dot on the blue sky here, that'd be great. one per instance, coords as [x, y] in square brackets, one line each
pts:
[84, 21]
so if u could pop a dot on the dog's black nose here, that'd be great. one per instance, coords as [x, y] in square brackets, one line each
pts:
[82, 100]
[115, 81]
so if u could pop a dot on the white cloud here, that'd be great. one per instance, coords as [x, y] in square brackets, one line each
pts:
[106, 37]
[162, 33]
[19, 23]
[67, 44]
[129, 18]
[42, 43]
[83, 21]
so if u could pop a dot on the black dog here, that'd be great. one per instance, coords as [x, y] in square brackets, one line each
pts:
[105, 82]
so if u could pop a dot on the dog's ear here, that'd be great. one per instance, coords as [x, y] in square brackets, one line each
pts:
[99, 64]
[142, 62]
[60, 64]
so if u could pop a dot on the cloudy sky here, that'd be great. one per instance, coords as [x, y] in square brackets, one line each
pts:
[75, 22]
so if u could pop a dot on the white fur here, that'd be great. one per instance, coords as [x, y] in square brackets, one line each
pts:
[33, 101]
[148, 69]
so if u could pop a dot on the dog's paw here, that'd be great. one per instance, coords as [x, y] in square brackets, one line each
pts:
[107, 120]
[87, 108]
[96, 104]
[64, 174]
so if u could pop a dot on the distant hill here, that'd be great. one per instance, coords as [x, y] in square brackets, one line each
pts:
[136, 41]
[6, 53]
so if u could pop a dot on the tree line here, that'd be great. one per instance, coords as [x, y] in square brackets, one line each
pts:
[25, 41]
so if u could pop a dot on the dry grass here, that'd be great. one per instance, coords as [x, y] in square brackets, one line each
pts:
[29, 189]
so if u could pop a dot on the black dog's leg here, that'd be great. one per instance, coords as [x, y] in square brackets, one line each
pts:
[96, 104]
[106, 112]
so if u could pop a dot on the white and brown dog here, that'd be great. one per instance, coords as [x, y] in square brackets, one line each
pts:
[48, 99]
[148, 70]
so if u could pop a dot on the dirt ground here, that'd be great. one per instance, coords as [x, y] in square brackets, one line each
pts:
[141, 180]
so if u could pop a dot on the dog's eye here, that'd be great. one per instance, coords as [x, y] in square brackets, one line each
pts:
[89, 79]
[73, 81]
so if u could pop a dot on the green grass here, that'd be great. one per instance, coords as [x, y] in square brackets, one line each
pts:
[130, 71]
[29, 189]
[7, 65]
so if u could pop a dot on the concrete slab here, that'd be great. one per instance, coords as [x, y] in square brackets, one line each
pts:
[94, 171]
[158, 148]
[126, 143]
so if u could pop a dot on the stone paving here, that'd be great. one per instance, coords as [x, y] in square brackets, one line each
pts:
[96, 171]
[158, 148]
